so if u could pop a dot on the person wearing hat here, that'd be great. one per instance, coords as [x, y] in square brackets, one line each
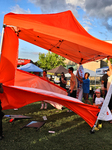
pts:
[98, 101]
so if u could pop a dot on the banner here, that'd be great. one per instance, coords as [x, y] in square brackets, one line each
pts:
[80, 88]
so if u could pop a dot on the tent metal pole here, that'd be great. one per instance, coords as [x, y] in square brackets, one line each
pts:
[2, 38]
[92, 130]
[95, 80]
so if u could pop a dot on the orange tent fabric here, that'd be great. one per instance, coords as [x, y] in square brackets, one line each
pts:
[9, 57]
[60, 33]
[29, 95]
[55, 33]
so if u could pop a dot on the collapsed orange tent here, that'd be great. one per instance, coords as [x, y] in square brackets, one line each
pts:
[59, 33]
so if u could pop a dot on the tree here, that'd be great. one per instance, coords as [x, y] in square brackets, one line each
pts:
[50, 60]
[110, 60]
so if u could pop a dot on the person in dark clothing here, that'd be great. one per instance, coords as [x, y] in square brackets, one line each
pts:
[1, 116]
[63, 80]
[104, 81]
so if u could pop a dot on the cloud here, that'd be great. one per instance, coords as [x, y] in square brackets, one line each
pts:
[87, 28]
[48, 6]
[16, 9]
[0, 34]
[94, 9]
[87, 22]
[101, 9]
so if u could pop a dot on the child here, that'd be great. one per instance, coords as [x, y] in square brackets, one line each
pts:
[1, 116]
[98, 101]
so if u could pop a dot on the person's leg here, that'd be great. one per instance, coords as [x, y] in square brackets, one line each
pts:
[73, 94]
[45, 106]
[86, 95]
[0, 129]
[42, 105]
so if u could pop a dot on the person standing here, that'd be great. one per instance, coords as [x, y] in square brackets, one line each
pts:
[86, 86]
[73, 83]
[63, 80]
[104, 80]
[44, 104]
[109, 73]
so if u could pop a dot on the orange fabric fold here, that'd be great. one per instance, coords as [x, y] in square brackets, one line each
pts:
[30, 95]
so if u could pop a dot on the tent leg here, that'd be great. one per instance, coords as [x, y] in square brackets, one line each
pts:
[92, 130]
[2, 38]
[95, 81]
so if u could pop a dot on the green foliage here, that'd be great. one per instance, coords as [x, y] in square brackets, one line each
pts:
[110, 60]
[50, 60]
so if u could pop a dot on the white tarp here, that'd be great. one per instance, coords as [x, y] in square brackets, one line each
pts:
[105, 113]
[80, 88]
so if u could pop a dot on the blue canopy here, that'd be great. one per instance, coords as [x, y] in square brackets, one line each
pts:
[30, 68]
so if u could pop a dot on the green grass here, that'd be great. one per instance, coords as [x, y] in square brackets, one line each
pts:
[71, 131]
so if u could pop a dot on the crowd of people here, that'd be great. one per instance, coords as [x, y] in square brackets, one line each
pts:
[99, 94]
[72, 91]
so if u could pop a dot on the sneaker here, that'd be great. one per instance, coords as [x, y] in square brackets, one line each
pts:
[99, 126]
[96, 129]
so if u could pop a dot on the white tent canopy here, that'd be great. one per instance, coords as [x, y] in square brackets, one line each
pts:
[92, 73]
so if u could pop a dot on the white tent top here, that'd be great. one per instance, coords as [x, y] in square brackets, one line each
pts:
[30, 68]
[92, 73]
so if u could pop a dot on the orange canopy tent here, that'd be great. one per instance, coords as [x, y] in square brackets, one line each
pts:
[60, 33]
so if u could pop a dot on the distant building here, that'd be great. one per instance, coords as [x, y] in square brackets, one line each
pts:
[70, 63]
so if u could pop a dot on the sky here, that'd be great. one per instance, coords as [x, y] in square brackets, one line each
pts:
[94, 15]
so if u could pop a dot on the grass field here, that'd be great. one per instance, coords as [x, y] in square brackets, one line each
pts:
[71, 131]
